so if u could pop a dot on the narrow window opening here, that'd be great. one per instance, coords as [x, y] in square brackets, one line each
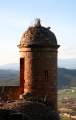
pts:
[46, 75]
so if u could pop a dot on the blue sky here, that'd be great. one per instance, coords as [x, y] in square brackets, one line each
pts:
[17, 15]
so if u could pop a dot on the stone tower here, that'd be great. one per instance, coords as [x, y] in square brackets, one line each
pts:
[38, 64]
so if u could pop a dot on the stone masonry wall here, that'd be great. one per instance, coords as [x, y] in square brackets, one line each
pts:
[40, 74]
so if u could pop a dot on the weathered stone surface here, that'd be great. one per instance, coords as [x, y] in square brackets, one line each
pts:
[39, 36]
[9, 93]
[40, 74]
[28, 110]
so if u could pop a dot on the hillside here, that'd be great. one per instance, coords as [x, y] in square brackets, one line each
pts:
[66, 78]
[9, 77]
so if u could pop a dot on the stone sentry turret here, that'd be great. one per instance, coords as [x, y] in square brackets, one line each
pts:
[38, 64]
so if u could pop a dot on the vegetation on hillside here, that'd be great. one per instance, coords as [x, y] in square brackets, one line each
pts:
[66, 78]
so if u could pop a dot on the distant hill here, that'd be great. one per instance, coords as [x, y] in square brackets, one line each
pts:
[67, 63]
[66, 78]
[62, 63]
[10, 66]
[9, 77]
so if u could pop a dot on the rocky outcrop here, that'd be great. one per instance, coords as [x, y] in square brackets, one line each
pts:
[27, 110]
